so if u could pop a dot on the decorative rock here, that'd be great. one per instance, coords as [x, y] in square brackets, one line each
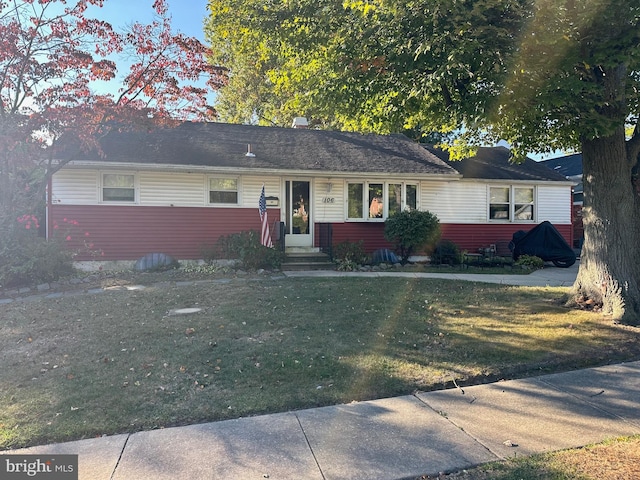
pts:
[152, 261]
[384, 255]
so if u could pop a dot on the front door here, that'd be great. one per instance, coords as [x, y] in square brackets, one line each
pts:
[299, 228]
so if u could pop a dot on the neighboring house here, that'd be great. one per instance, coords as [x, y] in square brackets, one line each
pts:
[571, 167]
[175, 190]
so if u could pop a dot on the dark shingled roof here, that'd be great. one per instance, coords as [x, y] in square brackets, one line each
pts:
[494, 163]
[569, 165]
[225, 145]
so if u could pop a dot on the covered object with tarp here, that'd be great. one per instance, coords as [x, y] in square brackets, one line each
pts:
[543, 241]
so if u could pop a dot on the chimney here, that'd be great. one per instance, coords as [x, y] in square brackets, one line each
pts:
[300, 122]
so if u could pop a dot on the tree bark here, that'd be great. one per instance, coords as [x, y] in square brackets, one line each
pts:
[610, 260]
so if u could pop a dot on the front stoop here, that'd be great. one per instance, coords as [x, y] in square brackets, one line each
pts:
[307, 261]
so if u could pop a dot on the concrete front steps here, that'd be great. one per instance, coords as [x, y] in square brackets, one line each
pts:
[306, 260]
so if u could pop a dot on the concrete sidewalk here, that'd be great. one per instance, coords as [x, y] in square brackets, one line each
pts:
[393, 438]
[548, 276]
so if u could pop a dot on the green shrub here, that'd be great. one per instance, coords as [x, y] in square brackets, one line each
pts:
[529, 261]
[411, 230]
[247, 249]
[446, 252]
[26, 258]
[349, 251]
[502, 261]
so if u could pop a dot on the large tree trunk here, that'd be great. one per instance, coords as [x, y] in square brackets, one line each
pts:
[610, 261]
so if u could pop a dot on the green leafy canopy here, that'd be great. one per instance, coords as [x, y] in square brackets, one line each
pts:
[525, 71]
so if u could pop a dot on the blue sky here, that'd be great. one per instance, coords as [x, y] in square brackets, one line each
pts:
[187, 15]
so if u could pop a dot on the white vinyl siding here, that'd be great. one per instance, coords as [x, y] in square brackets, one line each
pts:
[252, 187]
[328, 200]
[177, 189]
[554, 204]
[455, 202]
[452, 201]
[75, 187]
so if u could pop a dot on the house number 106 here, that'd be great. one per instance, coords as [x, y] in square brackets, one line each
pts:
[328, 200]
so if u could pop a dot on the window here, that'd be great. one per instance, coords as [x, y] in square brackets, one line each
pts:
[118, 187]
[354, 200]
[523, 207]
[411, 197]
[395, 198]
[382, 200]
[499, 203]
[511, 203]
[376, 201]
[223, 190]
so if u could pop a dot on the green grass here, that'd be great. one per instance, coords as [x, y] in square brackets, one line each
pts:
[617, 458]
[87, 365]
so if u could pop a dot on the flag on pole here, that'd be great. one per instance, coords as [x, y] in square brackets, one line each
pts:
[265, 236]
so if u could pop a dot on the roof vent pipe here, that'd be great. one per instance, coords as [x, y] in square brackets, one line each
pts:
[249, 152]
[300, 122]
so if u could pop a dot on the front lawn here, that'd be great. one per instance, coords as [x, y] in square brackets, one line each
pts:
[85, 365]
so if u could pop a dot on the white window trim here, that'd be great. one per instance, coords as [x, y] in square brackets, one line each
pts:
[207, 191]
[136, 187]
[385, 198]
[512, 203]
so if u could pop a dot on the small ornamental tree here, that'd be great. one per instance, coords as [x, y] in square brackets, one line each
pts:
[411, 230]
[52, 54]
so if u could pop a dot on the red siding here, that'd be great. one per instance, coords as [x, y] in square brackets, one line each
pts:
[468, 237]
[372, 234]
[578, 227]
[128, 233]
[471, 237]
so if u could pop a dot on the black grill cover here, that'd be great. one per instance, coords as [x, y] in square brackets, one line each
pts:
[543, 241]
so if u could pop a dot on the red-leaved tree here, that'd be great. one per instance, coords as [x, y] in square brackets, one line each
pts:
[51, 56]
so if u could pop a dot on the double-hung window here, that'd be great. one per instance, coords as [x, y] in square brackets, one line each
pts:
[509, 203]
[223, 190]
[119, 187]
[372, 201]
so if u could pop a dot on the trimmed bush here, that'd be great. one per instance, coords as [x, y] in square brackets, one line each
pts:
[246, 248]
[349, 255]
[446, 252]
[27, 259]
[410, 231]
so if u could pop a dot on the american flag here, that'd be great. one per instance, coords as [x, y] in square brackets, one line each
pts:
[265, 236]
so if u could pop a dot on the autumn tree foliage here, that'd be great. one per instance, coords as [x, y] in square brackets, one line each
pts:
[53, 55]
[543, 75]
